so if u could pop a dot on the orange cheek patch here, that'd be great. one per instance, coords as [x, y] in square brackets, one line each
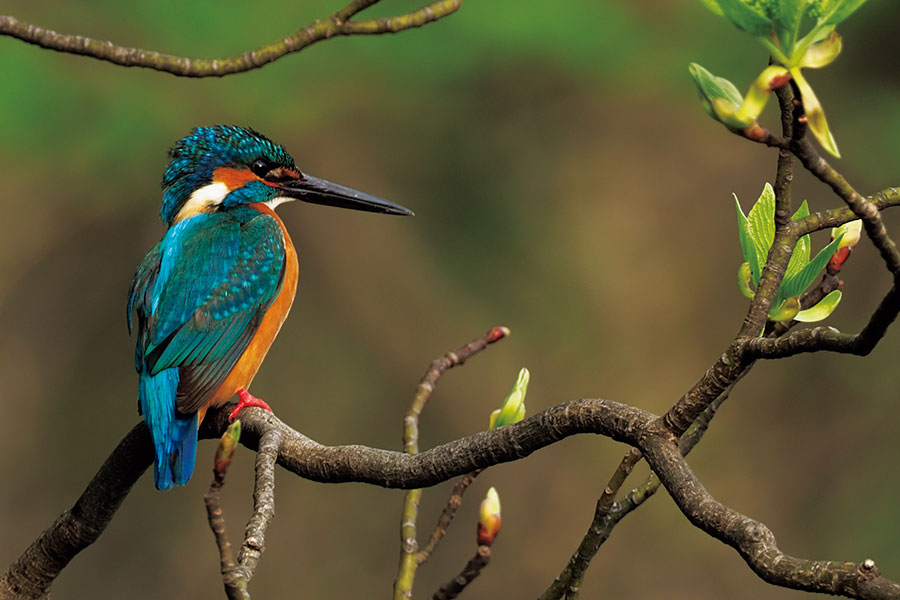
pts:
[233, 178]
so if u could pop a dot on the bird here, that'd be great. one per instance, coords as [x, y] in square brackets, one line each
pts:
[211, 296]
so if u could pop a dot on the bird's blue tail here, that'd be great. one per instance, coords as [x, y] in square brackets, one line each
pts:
[174, 435]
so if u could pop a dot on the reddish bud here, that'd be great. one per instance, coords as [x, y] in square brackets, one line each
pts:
[837, 260]
[850, 234]
[489, 518]
[779, 80]
[497, 333]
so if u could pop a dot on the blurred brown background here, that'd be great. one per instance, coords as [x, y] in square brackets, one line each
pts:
[566, 184]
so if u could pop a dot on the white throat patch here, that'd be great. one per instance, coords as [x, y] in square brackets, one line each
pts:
[202, 200]
[274, 202]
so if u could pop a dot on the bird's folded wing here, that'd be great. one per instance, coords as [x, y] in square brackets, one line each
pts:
[214, 284]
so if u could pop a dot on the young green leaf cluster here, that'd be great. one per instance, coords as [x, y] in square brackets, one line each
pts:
[778, 24]
[513, 408]
[756, 232]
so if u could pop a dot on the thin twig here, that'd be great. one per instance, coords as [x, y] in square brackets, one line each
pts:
[569, 581]
[447, 515]
[473, 568]
[409, 546]
[836, 217]
[335, 25]
[608, 513]
[862, 207]
[236, 575]
[758, 133]
[263, 505]
[217, 525]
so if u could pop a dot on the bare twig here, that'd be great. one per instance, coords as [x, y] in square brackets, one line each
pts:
[263, 506]
[836, 217]
[453, 504]
[473, 568]
[569, 581]
[337, 24]
[862, 207]
[216, 517]
[409, 546]
[236, 575]
[758, 133]
[607, 513]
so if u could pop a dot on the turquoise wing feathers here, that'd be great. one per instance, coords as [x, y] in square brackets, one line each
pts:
[199, 297]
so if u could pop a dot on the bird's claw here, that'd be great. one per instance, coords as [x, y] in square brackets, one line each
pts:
[246, 400]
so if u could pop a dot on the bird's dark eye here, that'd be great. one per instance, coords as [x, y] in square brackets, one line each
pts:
[261, 167]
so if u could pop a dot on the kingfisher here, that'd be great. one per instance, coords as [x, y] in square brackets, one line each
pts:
[211, 296]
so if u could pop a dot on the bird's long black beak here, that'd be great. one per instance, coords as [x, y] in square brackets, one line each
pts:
[318, 191]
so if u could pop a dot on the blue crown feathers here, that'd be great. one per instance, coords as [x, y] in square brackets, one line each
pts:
[195, 157]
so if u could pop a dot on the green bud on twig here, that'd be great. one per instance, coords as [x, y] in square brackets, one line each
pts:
[513, 408]
[227, 445]
[785, 311]
[820, 311]
[744, 278]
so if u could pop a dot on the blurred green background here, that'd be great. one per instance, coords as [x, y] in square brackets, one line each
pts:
[566, 184]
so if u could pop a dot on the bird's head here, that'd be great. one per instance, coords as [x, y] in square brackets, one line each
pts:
[222, 167]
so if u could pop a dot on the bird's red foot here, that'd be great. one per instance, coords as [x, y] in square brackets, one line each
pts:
[246, 400]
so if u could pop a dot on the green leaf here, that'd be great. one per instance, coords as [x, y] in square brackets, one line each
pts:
[787, 16]
[802, 212]
[720, 98]
[762, 223]
[832, 12]
[815, 115]
[821, 310]
[852, 230]
[744, 16]
[822, 53]
[800, 255]
[785, 311]
[759, 93]
[743, 280]
[713, 6]
[798, 284]
[747, 248]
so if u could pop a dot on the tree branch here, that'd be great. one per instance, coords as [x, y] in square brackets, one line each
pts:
[863, 208]
[236, 576]
[335, 25]
[409, 545]
[473, 568]
[609, 511]
[753, 540]
[836, 217]
[447, 515]
[32, 573]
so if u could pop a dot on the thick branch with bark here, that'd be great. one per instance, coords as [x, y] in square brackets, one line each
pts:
[29, 577]
[32, 573]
